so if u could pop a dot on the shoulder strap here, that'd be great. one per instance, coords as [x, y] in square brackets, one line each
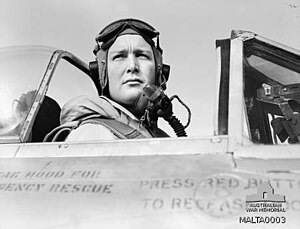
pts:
[119, 129]
[61, 132]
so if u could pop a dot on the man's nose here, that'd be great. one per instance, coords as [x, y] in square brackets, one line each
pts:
[132, 64]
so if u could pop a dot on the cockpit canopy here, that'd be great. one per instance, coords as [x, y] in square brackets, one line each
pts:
[29, 104]
[21, 70]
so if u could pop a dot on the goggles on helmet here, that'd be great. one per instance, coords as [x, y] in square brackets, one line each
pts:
[110, 33]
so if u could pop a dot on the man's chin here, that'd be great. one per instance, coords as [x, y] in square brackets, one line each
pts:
[130, 96]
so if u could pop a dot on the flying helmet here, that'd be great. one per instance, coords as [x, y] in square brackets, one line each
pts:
[107, 37]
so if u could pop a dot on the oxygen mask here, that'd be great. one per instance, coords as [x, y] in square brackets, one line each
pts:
[153, 103]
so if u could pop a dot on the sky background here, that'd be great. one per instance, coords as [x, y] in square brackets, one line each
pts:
[188, 31]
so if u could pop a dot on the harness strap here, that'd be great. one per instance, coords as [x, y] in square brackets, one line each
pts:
[61, 132]
[119, 129]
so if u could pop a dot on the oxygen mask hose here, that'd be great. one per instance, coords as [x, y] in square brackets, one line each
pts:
[175, 123]
[153, 103]
[176, 126]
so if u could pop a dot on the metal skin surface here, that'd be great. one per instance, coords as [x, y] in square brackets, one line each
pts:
[173, 183]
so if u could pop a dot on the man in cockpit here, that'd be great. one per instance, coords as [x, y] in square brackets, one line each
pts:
[128, 63]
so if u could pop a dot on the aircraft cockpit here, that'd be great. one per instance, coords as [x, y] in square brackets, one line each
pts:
[258, 95]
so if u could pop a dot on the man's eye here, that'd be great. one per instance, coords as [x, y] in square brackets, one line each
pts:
[143, 55]
[119, 56]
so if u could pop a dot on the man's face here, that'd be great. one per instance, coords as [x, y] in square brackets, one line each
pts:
[130, 66]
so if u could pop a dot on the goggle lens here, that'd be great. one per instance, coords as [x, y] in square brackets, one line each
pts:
[113, 29]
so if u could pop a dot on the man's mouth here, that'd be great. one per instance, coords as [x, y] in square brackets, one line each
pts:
[133, 80]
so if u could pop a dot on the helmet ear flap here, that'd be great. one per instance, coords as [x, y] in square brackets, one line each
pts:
[94, 74]
[98, 72]
[162, 70]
